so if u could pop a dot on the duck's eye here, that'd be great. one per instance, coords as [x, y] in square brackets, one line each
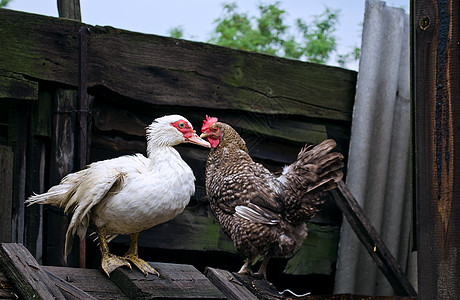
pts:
[181, 125]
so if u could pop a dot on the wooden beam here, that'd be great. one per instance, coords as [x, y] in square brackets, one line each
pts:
[14, 86]
[231, 287]
[22, 269]
[90, 281]
[372, 241]
[436, 78]
[70, 291]
[166, 71]
[175, 281]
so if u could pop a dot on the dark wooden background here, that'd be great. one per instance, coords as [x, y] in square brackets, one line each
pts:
[48, 66]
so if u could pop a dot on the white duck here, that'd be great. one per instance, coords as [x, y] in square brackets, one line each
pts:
[128, 194]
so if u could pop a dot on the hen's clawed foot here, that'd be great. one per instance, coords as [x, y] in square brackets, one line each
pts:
[110, 262]
[262, 272]
[245, 269]
[141, 264]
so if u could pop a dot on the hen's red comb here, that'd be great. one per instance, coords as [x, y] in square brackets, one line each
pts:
[208, 122]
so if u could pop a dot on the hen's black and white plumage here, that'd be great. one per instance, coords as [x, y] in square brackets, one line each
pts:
[262, 213]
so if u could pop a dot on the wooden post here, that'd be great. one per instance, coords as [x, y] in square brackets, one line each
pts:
[62, 160]
[6, 196]
[82, 116]
[69, 9]
[436, 78]
[21, 116]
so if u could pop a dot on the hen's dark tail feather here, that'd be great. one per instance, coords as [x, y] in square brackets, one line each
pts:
[315, 171]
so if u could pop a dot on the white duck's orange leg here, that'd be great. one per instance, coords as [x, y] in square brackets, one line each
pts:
[132, 256]
[109, 261]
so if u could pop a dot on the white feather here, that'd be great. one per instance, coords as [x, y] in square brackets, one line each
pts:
[130, 193]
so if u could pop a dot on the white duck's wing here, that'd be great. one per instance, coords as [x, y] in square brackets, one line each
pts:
[90, 190]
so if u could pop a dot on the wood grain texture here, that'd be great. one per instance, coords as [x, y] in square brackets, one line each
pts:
[91, 281]
[14, 86]
[166, 71]
[26, 274]
[175, 281]
[436, 77]
[371, 240]
[62, 162]
[6, 196]
[226, 282]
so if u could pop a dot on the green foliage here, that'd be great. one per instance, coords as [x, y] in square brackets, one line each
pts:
[4, 3]
[268, 33]
[176, 32]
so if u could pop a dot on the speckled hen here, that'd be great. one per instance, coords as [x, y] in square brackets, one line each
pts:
[262, 213]
[128, 194]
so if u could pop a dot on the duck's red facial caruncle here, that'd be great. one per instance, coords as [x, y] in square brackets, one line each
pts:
[189, 134]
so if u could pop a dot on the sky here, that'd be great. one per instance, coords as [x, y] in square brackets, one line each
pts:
[197, 17]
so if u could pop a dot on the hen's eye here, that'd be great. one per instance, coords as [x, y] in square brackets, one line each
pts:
[214, 129]
[181, 125]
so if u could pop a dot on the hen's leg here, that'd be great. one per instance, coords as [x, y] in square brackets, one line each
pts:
[245, 269]
[262, 272]
[109, 261]
[133, 257]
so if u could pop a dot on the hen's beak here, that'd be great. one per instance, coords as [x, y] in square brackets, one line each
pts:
[195, 139]
[204, 135]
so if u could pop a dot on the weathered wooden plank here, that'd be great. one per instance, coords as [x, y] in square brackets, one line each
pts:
[36, 166]
[14, 86]
[42, 114]
[29, 278]
[108, 118]
[372, 241]
[175, 281]
[166, 71]
[20, 128]
[62, 162]
[39, 47]
[6, 195]
[68, 290]
[91, 281]
[231, 287]
[436, 78]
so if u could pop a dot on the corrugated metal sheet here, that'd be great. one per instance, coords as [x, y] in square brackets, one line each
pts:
[379, 159]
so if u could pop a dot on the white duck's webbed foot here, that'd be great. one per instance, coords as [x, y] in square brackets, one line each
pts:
[133, 257]
[110, 261]
[142, 265]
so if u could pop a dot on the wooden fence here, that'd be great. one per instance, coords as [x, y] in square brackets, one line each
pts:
[72, 94]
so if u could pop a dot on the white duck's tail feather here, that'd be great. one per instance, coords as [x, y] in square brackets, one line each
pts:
[61, 194]
[78, 193]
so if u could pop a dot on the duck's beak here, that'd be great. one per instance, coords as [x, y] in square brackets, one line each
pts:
[195, 139]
